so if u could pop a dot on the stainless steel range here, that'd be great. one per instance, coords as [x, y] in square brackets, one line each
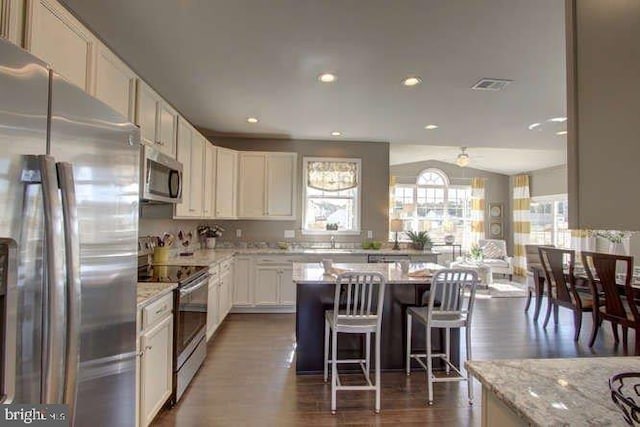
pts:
[190, 317]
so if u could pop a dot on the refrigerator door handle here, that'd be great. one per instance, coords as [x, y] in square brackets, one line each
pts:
[54, 318]
[74, 289]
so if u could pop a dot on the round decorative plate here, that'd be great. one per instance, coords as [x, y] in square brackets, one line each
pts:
[495, 211]
[496, 229]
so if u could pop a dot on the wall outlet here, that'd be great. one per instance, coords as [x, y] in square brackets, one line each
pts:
[238, 233]
[369, 234]
[289, 234]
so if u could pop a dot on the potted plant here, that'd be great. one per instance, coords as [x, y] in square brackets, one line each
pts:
[420, 240]
[476, 253]
[209, 234]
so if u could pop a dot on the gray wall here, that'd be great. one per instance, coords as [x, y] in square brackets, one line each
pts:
[548, 181]
[496, 185]
[374, 199]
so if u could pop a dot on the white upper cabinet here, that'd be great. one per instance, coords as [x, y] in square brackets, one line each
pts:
[58, 38]
[209, 185]
[11, 20]
[251, 188]
[167, 126]
[196, 155]
[185, 142]
[226, 183]
[267, 185]
[281, 185]
[115, 83]
[147, 112]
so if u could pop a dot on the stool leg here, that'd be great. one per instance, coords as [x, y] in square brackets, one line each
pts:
[326, 350]
[377, 344]
[429, 366]
[467, 334]
[408, 362]
[447, 348]
[334, 369]
[368, 353]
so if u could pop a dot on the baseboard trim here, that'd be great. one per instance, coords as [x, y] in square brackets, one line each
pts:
[264, 309]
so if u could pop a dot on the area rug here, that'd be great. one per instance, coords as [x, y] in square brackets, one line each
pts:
[507, 289]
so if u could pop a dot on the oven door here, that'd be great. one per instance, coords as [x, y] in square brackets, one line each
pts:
[162, 177]
[191, 316]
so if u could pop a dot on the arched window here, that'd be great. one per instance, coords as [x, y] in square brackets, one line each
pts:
[435, 205]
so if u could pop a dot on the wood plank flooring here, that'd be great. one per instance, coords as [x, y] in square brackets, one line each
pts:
[248, 378]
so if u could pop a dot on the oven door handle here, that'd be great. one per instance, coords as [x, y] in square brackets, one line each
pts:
[198, 285]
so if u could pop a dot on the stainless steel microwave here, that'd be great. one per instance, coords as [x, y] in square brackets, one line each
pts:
[161, 177]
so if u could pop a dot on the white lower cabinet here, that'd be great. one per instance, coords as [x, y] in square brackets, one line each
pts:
[287, 290]
[220, 294]
[156, 358]
[267, 283]
[242, 296]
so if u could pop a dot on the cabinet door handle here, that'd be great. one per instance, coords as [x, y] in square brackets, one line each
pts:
[149, 347]
[161, 309]
[140, 353]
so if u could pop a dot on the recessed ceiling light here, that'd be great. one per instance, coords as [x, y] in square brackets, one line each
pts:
[252, 120]
[412, 81]
[558, 119]
[562, 132]
[327, 78]
[431, 127]
[336, 133]
[532, 126]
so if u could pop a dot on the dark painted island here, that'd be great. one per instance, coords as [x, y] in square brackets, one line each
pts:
[315, 294]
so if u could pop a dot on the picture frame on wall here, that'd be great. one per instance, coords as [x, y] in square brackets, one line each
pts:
[495, 230]
[495, 210]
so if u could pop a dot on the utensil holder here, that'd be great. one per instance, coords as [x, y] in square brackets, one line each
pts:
[160, 255]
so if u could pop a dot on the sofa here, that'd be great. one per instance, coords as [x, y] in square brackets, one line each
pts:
[494, 254]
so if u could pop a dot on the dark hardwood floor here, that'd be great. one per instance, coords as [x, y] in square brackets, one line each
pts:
[248, 378]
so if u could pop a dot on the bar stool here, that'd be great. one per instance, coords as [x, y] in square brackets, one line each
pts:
[449, 286]
[354, 313]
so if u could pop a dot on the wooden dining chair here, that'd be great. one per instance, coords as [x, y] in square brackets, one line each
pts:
[561, 287]
[615, 298]
[535, 279]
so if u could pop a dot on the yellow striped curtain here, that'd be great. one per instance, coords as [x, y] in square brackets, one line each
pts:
[477, 209]
[521, 224]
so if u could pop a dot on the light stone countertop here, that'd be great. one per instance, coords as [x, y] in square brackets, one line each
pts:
[556, 392]
[213, 256]
[149, 292]
[313, 273]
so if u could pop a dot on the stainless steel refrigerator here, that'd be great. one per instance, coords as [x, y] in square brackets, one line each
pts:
[69, 194]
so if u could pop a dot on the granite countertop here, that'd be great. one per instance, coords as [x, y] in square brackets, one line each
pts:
[313, 273]
[552, 392]
[212, 256]
[149, 292]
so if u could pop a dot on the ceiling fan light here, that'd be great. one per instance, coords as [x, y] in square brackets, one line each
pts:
[462, 160]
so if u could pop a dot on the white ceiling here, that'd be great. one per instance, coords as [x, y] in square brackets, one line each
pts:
[222, 61]
[508, 161]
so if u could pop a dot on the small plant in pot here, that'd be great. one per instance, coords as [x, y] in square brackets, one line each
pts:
[420, 240]
[209, 234]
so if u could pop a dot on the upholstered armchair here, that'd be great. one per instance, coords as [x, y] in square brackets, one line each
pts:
[494, 254]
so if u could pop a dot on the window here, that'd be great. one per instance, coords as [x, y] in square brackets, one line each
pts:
[434, 205]
[331, 195]
[549, 221]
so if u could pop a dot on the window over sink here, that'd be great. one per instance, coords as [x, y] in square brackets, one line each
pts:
[331, 195]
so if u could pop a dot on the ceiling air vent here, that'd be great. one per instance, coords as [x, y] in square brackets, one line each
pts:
[491, 84]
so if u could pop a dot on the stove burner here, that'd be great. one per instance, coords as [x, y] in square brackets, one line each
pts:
[169, 273]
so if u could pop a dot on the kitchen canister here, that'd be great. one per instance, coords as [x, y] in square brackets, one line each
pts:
[160, 255]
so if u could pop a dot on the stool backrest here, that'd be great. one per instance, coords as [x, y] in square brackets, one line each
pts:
[449, 287]
[359, 295]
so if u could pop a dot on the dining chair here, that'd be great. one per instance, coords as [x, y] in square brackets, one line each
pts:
[357, 309]
[562, 290]
[535, 279]
[449, 286]
[616, 297]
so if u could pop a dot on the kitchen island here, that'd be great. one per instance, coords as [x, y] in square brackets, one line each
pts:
[315, 295]
[550, 392]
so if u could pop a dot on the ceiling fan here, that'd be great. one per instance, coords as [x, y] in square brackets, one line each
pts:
[463, 158]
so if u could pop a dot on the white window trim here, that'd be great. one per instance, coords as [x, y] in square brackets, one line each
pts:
[358, 208]
[552, 198]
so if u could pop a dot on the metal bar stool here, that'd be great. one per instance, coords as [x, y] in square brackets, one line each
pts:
[354, 312]
[449, 286]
